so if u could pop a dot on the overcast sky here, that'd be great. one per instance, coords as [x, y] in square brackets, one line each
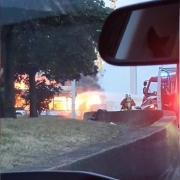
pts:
[117, 79]
[120, 3]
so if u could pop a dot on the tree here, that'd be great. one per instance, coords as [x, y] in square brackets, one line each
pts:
[1, 100]
[1, 94]
[45, 93]
[63, 46]
[8, 64]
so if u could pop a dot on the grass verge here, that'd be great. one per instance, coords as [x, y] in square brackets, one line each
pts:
[29, 140]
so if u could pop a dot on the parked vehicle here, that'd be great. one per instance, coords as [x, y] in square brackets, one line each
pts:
[20, 111]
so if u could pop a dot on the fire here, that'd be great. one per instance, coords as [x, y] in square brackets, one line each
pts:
[19, 102]
[78, 103]
[20, 85]
[86, 100]
[59, 103]
[23, 86]
[95, 99]
[83, 102]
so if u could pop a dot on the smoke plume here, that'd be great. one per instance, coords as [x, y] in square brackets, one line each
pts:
[88, 83]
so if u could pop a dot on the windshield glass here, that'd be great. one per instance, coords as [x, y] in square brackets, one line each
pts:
[61, 103]
[152, 87]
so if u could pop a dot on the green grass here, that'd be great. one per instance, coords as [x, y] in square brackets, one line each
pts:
[28, 140]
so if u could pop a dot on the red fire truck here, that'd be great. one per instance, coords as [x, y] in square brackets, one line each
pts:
[154, 87]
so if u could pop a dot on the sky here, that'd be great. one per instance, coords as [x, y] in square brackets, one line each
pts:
[117, 79]
[120, 3]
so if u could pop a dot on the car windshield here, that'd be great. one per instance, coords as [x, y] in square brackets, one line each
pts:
[61, 103]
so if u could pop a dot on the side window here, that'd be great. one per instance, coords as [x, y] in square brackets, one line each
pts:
[152, 88]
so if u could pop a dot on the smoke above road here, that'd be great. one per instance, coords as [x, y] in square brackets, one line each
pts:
[88, 83]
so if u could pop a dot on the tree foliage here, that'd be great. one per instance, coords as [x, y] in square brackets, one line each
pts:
[62, 46]
[45, 94]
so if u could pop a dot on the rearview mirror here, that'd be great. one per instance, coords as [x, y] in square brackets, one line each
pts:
[144, 90]
[145, 83]
[144, 34]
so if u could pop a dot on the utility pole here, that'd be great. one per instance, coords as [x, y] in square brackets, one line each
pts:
[73, 110]
[133, 80]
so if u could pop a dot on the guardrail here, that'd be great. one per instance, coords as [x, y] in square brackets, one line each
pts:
[137, 118]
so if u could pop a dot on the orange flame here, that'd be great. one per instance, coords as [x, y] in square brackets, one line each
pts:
[95, 99]
[88, 99]
[20, 85]
[83, 102]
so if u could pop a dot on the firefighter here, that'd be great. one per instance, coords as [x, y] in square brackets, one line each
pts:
[127, 103]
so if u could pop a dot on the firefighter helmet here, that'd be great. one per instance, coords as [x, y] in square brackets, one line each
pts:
[128, 95]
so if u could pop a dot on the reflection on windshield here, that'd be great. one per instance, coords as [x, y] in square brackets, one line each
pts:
[59, 101]
[42, 58]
